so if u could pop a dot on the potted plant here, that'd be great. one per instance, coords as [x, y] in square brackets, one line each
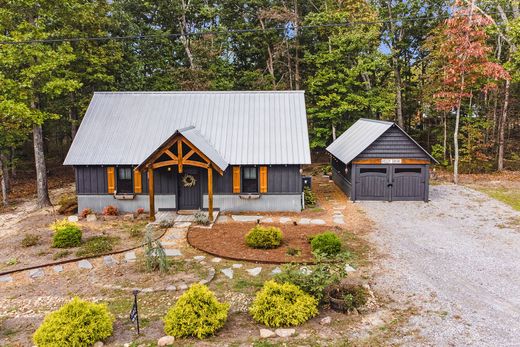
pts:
[345, 297]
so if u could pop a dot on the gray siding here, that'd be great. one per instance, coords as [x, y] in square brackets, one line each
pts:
[284, 179]
[340, 177]
[98, 202]
[91, 180]
[393, 144]
[165, 182]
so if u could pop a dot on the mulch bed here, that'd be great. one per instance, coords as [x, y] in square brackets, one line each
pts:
[227, 240]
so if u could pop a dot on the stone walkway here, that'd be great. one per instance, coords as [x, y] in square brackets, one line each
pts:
[337, 218]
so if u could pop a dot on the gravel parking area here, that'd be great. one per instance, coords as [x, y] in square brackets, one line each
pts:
[457, 259]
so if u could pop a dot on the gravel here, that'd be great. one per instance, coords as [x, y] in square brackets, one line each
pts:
[457, 258]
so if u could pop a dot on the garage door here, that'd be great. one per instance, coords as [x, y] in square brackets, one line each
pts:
[390, 182]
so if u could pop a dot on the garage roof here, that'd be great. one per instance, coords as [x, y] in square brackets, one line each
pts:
[257, 127]
[359, 136]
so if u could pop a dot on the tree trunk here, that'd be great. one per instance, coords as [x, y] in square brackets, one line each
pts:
[503, 122]
[456, 146]
[13, 163]
[73, 116]
[397, 72]
[445, 136]
[333, 133]
[41, 169]
[183, 38]
[5, 179]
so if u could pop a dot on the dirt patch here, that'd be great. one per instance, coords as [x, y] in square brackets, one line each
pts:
[227, 241]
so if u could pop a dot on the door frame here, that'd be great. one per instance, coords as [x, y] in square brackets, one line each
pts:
[356, 176]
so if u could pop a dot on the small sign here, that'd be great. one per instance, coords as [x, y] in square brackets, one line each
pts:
[133, 313]
[391, 161]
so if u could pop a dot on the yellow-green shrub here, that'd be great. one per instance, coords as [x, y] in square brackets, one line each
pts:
[264, 237]
[282, 305]
[327, 243]
[77, 323]
[197, 313]
[66, 234]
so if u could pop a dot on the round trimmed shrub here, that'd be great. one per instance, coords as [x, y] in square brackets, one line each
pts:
[77, 323]
[66, 234]
[197, 313]
[327, 243]
[264, 237]
[282, 305]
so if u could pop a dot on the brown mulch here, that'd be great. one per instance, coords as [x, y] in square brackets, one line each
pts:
[227, 240]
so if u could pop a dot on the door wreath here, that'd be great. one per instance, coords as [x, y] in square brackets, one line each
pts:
[188, 181]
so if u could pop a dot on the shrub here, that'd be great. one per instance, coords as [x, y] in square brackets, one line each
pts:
[96, 245]
[66, 234]
[293, 251]
[86, 212]
[77, 323]
[60, 254]
[355, 296]
[264, 237]
[201, 218]
[110, 210]
[155, 257]
[166, 223]
[280, 305]
[197, 313]
[314, 282]
[309, 197]
[327, 243]
[68, 204]
[30, 240]
[139, 211]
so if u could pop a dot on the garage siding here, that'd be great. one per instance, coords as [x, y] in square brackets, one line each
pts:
[393, 144]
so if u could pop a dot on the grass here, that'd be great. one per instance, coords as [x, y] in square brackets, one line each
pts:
[60, 254]
[97, 245]
[30, 240]
[510, 197]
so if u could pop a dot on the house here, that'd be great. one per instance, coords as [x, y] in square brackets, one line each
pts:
[377, 160]
[232, 151]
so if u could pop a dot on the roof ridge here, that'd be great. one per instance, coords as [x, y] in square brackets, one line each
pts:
[205, 92]
[377, 120]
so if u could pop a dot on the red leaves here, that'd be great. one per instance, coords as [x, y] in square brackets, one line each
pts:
[463, 58]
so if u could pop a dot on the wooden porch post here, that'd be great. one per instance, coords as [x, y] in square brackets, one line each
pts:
[151, 194]
[210, 193]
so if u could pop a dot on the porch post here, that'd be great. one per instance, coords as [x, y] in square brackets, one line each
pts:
[151, 194]
[210, 193]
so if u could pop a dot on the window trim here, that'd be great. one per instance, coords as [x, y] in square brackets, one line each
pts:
[131, 180]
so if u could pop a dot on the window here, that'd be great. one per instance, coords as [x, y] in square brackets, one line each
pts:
[372, 170]
[408, 170]
[249, 179]
[124, 180]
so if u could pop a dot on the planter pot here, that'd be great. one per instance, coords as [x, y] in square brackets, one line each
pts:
[336, 301]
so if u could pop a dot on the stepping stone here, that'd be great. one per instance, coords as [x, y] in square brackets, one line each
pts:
[36, 273]
[285, 220]
[147, 290]
[172, 252]
[237, 266]
[243, 218]
[199, 257]
[6, 279]
[305, 270]
[169, 243]
[285, 332]
[73, 219]
[266, 333]
[216, 260]
[57, 268]
[304, 221]
[228, 272]
[339, 207]
[318, 222]
[267, 220]
[91, 218]
[175, 236]
[338, 220]
[110, 261]
[254, 271]
[349, 268]
[85, 264]
[337, 213]
[276, 271]
[130, 257]
[183, 286]
[182, 224]
[171, 288]
[222, 219]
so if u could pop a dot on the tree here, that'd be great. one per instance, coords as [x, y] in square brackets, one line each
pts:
[459, 46]
[37, 71]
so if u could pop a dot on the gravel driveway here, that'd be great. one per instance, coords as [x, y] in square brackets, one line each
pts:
[457, 258]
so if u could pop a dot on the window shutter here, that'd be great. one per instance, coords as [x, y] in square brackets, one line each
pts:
[111, 179]
[138, 182]
[236, 179]
[263, 179]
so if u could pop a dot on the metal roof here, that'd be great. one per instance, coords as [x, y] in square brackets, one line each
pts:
[361, 135]
[123, 128]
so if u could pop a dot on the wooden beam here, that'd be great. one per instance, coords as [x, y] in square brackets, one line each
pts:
[170, 154]
[196, 163]
[190, 153]
[398, 161]
[151, 194]
[164, 163]
[210, 193]
[179, 155]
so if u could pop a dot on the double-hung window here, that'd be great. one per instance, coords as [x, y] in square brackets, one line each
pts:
[249, 179]
[124, 180]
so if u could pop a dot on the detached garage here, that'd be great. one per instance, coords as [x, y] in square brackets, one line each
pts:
[377, 160]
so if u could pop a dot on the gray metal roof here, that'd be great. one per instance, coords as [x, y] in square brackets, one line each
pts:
[124, 128]
[361, 135]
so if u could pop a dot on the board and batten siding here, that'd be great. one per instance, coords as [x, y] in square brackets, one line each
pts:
[393, 144]
[91, 180]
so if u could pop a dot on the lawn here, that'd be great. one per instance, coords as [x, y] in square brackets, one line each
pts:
[510, 196]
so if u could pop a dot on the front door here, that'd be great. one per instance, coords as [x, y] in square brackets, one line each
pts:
[190, 197]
